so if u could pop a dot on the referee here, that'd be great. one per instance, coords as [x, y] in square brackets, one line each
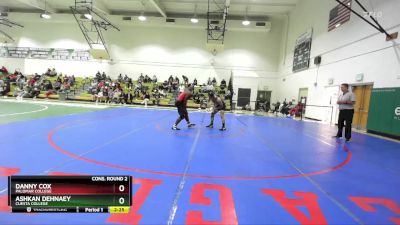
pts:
[346, 103]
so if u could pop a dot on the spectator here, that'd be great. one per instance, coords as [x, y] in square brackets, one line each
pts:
[196, 98]
[154, 79]
[71, 80]
[104, 76]
[223, 84]
[23, 92]
[31, 82]
[65, 78]
[214, 81]
[117, 95]
[209, 81]
[126, 78]
[297, 110]
[13, 77]
[247, 107]
[57, 84]
[170, 79]
[86, 82]
[106, 94]
[195, 82]
[37, 77]
[4, 70]
[185, 80]
[128, 96]
[48, 72]
[204, 102]
[35, 90]
[99, 95]
[288, 108]
[21, 81]
[48, 87]
[165, 85]
[276, 107]
[176, 80]
[120, 78]
[137, 92]
[175, 85]
[147, 79]
[98, 76]
[157, 96]
[209, 88]
[146, 99]
[53, 73]
[2, 87]
[141, 78]
[129, 83]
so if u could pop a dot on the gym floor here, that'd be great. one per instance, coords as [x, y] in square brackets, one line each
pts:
[262, 170]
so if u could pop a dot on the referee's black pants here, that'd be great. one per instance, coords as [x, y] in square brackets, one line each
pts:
[345, 115]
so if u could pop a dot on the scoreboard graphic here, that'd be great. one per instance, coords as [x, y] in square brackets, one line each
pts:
[73, 194]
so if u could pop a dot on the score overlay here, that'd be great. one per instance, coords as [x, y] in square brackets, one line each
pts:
[88, 194]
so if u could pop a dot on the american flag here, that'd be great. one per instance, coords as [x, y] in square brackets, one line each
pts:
[339, 15]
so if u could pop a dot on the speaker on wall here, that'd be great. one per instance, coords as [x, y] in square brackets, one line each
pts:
[317, 60]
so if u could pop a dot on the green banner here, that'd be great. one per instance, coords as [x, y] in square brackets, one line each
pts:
[384, 111]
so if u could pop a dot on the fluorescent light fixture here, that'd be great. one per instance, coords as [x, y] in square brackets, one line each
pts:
[245, 22]
[194, 20]
[88, 16]
[142, 18]
[98, 46]
[337, 25]
[45, 16]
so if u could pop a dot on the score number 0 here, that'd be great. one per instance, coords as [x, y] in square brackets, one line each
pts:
[121, 200]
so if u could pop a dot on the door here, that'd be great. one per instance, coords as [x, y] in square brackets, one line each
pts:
[303, 93]
[361, 107]
[262, 97]
[243, 96]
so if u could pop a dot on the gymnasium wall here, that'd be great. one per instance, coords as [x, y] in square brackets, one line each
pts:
[351, 49]
[156, 49]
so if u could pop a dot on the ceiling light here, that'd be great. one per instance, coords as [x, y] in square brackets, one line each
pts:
[194, 20]
[88, 16]
[245, 22]
[98, 46]
[45, 16]
[337, 25]
[142, 18]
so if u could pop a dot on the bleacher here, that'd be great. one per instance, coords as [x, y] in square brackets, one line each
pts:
[80, 92]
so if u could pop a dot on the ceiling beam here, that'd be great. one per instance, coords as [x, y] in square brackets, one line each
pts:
[261, 17]
[227, 4]
[100, 7]
[159, 7]
[39, 4]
